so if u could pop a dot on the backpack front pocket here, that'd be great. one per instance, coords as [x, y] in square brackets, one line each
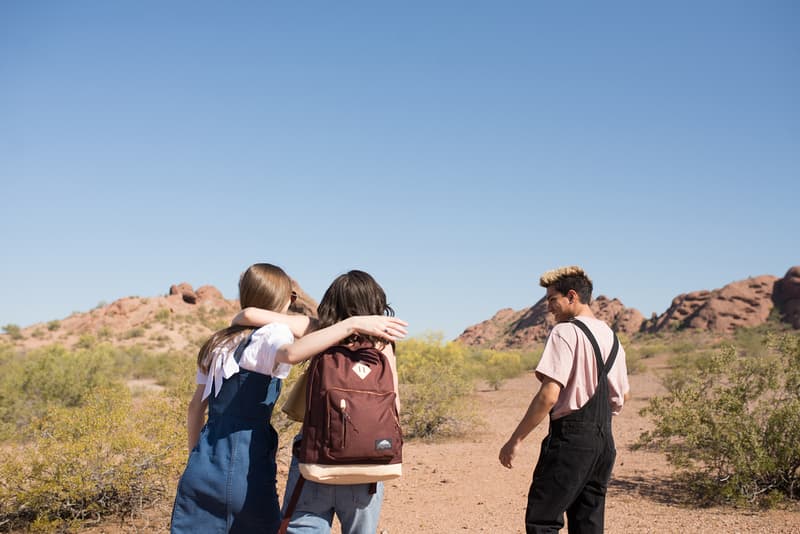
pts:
[361, 426]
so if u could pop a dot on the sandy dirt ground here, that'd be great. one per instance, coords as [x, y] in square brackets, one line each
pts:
[459, 485]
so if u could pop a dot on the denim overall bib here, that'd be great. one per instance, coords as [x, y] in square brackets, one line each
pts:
[575, 461]
[229, 484]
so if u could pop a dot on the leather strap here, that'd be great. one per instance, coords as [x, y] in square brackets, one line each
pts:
[298, 489]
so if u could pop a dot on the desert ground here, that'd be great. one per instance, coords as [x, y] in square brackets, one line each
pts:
[458, 485]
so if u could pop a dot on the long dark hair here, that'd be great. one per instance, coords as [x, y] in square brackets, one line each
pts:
[262, 285]
[353, 293]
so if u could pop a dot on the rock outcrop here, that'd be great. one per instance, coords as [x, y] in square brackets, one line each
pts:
[786, 296]
[185, 291]
[743, 303]
[526, 329]
[620, 318]
[173, 321]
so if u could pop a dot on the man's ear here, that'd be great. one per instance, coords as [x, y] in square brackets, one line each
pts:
[572, 296]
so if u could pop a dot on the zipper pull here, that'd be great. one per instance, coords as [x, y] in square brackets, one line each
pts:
[343, 405]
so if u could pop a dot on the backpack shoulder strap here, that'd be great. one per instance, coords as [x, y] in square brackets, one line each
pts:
[612, 356]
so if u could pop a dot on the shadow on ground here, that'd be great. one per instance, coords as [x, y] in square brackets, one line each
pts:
[663, 490]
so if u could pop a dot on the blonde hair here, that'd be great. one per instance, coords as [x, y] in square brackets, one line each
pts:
[553, 276]
[262, 285]
[569, 278]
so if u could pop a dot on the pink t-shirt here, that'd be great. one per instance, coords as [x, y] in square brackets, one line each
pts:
[568, 359]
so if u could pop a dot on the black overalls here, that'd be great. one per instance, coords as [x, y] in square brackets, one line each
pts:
[575, 462]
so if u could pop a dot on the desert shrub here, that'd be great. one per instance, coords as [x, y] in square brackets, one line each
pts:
[174, 370]
[99, 459]
[86, 341]
[53, 325]
[134, 332]
[13, 331]
[163, 315]
[104, 333]
[731, 422]
[495, 366]
[434, 380]
[33, 383]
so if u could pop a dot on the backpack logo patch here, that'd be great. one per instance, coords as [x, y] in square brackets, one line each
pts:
[383, 444]
[361, 370]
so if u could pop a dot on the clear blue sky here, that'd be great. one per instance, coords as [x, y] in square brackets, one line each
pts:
[453, 149]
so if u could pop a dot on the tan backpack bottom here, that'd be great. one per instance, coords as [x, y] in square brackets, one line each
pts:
[350, 473]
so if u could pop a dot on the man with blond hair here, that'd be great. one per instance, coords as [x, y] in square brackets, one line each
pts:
[584, 381]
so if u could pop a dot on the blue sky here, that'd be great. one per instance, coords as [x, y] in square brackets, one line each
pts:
[453, 149]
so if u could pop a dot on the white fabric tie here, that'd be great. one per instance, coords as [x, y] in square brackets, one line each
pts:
[223, 366]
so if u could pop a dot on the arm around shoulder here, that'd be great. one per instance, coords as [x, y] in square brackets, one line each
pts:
[298, 324]
[390, 328]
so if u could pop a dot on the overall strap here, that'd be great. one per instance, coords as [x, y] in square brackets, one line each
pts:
[240, 348]
[602, 368]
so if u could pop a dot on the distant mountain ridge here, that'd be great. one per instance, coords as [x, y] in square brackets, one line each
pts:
[742, 303]
[184, 317]
[181, 319]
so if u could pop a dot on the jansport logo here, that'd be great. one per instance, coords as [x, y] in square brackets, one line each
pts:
[383, 444]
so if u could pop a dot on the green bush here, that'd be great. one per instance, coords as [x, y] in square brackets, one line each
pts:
[731, 422]
[13, 331]
[102, 458]
[53, 325]
[435, 379]
[134, 332]
[495, 366]
[33, 383]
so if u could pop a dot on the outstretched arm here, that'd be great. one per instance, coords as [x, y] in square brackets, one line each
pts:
[389, 328]
[298, 324]
[541, 404]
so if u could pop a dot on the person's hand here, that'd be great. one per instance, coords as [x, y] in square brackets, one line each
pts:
[508, 452]
[390, 328]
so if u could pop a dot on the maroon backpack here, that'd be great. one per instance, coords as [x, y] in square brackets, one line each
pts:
[351, 431]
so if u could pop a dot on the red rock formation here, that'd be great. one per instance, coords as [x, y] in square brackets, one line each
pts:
[526, 329]
[786, 296]
[185, 291]
[742, 303]
[304, 303]
[618, 317]
[209, 293]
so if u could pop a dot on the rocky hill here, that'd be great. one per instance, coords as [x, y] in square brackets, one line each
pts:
[179, 320]
[743, 303]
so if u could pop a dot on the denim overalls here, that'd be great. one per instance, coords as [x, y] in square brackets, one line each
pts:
[229, 484]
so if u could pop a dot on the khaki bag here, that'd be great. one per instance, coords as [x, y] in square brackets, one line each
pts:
[295, 405]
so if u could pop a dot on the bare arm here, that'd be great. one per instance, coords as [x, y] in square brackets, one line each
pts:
[298, 324]
[388, 351]
[389, 328]
[538, 409]
[196, 415]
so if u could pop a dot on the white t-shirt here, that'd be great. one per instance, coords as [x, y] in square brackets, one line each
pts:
[258, 356]
[568, 358]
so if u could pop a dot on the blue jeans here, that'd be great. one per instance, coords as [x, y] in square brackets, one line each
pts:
[358, 510]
